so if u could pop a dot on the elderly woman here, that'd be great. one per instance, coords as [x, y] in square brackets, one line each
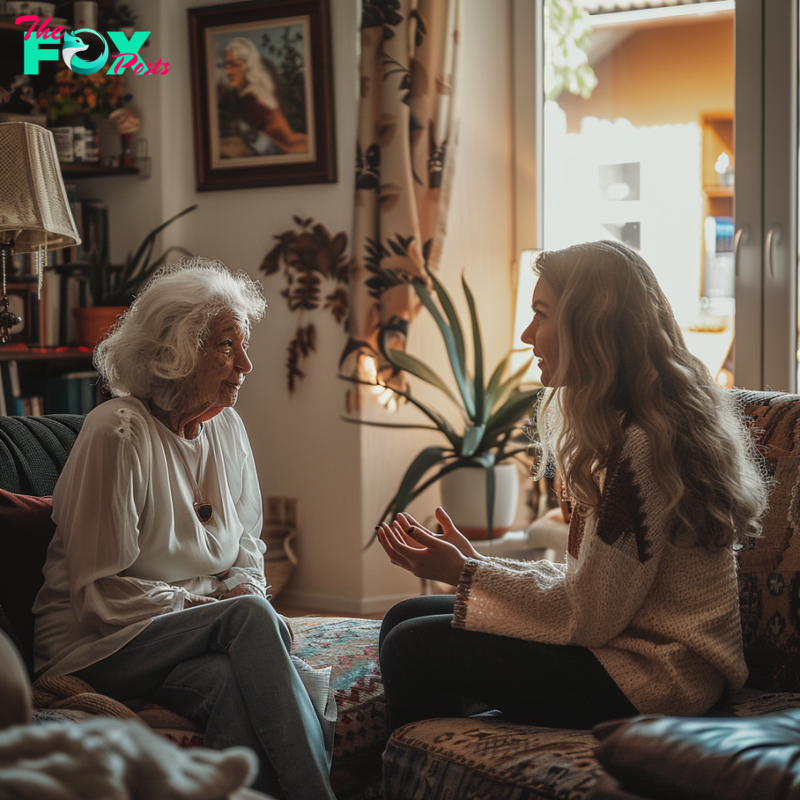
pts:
[260, 108]
[154, 581]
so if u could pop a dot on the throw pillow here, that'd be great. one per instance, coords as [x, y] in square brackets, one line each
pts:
[25, 533]
[698, 758]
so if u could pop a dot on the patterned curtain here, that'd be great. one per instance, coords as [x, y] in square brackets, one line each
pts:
[405, 155]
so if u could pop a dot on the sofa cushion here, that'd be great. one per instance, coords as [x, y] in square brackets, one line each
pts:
[479, 757]
[25, 533]
[770, 565]
[33, 450]
[713, 759]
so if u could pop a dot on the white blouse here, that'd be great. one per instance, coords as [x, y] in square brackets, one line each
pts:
[128, 544]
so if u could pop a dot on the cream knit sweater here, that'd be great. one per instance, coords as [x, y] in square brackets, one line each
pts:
[663, 620]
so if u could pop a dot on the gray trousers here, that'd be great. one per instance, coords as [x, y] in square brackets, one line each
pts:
[227, 667]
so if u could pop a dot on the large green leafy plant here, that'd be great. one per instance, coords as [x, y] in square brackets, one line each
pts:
[112, 286]
[489, 431]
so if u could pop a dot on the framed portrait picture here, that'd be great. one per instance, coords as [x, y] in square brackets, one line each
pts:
[263, 94]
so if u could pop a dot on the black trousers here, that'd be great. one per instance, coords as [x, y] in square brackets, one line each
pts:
[430, 668]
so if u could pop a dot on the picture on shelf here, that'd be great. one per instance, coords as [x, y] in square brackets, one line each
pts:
[262, 94]
[20, 302]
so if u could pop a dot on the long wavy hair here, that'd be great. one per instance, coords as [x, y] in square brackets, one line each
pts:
[622, 357]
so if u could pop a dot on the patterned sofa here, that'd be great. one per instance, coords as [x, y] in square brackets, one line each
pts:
[483, 756]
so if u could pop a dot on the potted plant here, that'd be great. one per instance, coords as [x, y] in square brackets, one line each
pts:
[112, 288]
[488, 435]
[121, 18]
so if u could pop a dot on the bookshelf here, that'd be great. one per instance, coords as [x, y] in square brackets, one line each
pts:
[58, 378]
[36, 353]
[36, 381]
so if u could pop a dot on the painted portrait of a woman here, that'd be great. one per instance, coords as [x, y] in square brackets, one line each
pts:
[263, 96]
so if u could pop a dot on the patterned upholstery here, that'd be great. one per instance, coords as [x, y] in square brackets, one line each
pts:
[475, 758]
[770, 566]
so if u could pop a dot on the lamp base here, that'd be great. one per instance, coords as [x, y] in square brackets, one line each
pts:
[8, 319]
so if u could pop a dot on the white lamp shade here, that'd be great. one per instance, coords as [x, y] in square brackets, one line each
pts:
[34, 209]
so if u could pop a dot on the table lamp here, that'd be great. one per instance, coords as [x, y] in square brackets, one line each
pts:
[34, 212]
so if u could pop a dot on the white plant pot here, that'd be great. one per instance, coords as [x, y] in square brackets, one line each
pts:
[464, 499]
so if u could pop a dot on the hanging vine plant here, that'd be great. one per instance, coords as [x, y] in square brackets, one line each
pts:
[316, 271]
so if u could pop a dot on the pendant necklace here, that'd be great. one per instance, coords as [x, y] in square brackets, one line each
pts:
[204, 510]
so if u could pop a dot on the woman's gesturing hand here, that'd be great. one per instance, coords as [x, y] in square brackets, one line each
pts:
[426, 554]
[449, 534]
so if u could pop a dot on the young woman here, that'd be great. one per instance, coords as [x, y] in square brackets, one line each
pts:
[643, 617]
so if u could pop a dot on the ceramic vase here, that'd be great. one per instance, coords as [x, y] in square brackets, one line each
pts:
[464, 499]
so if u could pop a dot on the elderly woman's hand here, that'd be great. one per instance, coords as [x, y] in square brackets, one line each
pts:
[242, 589]
[190, 600]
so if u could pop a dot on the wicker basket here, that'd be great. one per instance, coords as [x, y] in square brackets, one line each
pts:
[279, 560]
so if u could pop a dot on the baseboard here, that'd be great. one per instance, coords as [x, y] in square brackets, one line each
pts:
[335, 603]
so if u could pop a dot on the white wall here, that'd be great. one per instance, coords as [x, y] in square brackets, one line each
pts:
[342, 474]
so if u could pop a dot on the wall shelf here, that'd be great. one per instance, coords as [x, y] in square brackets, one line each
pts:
[34, 353]
[718, 191]
[94, 170]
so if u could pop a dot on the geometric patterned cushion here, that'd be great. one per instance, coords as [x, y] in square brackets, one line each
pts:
[769, 566]
[488, 757]
[478, 757]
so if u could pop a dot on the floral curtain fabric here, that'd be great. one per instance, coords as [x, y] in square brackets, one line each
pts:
[405, 155]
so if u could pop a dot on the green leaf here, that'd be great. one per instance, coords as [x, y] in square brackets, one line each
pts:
[490, 499]
[419, 369]
[477, 346]
[452, 316]
[454, 350]
[141, 257]
[505, 388]
[438, 420]
[472, 438]
[388, 424]
[486, 460]
[494, 384]
[511, 410]
[428, 458]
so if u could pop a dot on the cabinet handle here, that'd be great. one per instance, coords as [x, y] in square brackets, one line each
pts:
[742, 236]
[773, 237]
